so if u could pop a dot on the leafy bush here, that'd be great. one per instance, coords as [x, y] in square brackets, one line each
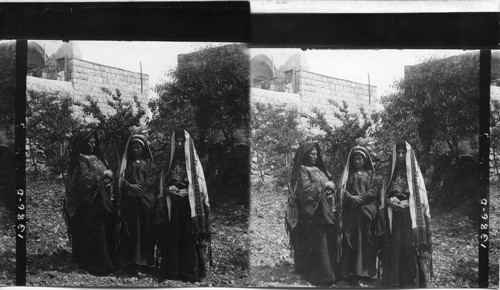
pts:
[495, 133]
[7, 86]
[114, 128]
[495, 124]
[276, 134]
[436, 102]
[207, 94]
[339, 139]
[435, 109]
[50, 123]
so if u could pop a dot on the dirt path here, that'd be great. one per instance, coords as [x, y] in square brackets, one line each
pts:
[49, 253]
[454, 246]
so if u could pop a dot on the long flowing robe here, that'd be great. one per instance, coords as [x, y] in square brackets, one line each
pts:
[359, 249]
[185, 229]
[408, 252]
[137, 239]
[89, 208]
[313, 238]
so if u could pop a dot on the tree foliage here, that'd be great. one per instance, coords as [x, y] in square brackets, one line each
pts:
[436, 102]
[49, 122]
[276, 132]
[435, 108]
[394, 123]
[495, 132]
[7, 85]
[495, 124]
[114, 128]
[339, 139]
[207, 95]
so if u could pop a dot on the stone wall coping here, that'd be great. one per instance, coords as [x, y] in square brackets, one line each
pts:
[334, 78]
[273, 94]
[48, 85]
[103, 65]
[495, 93]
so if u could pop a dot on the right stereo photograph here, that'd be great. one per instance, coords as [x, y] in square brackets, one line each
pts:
[494, 197]
[365, 168]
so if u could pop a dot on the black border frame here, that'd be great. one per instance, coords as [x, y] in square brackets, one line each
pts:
[484, 160]
[153, 21]
[377, 31]
[232, 21]
[20, 143]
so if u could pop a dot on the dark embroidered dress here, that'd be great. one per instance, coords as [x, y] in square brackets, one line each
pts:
[401, 262]
[137, 239]
[89, 208]
[186, 234]
[358, 220]
[408, 253]
[313, 239]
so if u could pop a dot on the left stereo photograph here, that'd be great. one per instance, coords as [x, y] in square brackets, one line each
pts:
[7, 163]
[137, 164]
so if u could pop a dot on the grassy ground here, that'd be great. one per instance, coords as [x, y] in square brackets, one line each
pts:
[454, 246]
[49, 253]
[7, 247]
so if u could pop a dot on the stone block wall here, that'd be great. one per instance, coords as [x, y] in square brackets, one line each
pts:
[316, 90]
[88, 78]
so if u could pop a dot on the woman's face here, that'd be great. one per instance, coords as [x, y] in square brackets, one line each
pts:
[311, 157]
[401, 156]
[136, 149]
[91, 144]
[179, 143]
[358, 161]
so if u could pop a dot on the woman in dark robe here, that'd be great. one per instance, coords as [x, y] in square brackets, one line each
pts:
[136, 186]
[313, 238]
[408, 252]
[359, 188]
[186, 235]
[89, 205]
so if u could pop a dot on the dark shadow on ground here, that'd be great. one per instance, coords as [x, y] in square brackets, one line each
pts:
[283, 275]
[493, 274]
[276, 276]
[7, 268]
[466, 271]
[60, 261]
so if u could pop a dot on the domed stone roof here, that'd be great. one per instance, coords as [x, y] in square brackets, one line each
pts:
[261, 68]
[69, 49]
[298, 61]
[36, 55]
